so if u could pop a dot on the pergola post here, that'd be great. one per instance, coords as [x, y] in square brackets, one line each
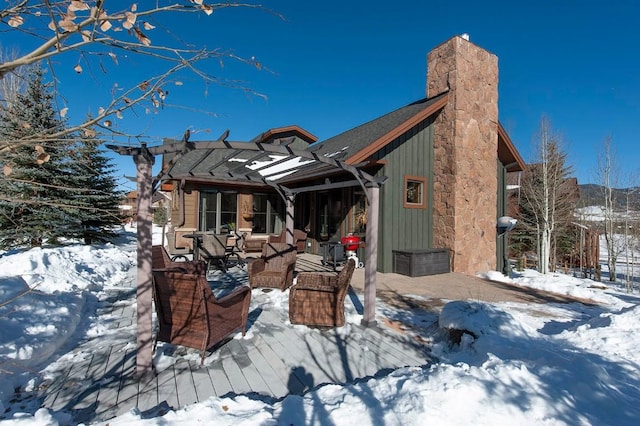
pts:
[371, 257]
[144, 355]
[290, 198]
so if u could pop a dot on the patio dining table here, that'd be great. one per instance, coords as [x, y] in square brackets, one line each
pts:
[197, 242]
[225, 260]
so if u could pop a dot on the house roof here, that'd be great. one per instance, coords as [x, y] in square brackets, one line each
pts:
[359, 143]
[353, 147]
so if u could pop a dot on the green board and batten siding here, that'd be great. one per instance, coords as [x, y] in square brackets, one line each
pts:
[405, 228]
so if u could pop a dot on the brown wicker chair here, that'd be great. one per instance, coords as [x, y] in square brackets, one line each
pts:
[190, 315]
[318, 300]
[299, 239]
[274, 268]
[160, 259]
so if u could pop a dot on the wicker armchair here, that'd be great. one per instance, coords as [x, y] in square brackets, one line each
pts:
[318, 300]
[190, 315]
[160, 259]
[299, 238]
[274, 268]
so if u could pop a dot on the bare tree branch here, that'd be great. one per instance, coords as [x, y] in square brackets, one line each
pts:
[88, 29]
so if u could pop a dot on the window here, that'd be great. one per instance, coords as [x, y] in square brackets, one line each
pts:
[267, 216]
[415, 194]
[217, 209]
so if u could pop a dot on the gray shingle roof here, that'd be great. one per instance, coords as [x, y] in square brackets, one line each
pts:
[358, 138]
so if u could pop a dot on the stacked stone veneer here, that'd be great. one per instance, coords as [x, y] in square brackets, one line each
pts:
[465, 153]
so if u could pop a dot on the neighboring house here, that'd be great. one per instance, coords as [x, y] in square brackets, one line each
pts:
[129, 207]
[446, 158]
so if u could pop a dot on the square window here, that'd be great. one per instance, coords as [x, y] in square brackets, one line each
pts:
[415, 195]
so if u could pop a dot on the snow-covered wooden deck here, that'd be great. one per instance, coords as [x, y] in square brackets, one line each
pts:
[273, 360]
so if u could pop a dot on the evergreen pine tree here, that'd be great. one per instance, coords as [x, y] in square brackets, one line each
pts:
[99, 199]
[34, 200]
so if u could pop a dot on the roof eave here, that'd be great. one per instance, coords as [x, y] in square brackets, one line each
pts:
[381, 142]
[507, 152]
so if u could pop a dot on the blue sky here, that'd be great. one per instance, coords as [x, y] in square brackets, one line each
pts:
[334, 65]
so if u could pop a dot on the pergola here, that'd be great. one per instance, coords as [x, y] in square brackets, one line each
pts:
[250, 163]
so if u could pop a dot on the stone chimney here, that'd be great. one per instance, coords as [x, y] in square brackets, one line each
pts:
[465, 153]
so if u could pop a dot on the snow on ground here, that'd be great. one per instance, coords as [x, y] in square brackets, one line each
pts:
[553, 364]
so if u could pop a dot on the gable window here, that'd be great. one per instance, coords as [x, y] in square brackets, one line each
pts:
[415, 192]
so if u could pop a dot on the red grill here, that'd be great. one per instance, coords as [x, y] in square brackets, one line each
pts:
[351, 242]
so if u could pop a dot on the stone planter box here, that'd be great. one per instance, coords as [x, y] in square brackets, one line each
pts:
[420, 262]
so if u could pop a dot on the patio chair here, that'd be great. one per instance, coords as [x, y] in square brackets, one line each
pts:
[160, 259]
[299, 239]
[190, 315]
[317, 300]
[253, 244]
[274, 268]
[177, 246]
[213, 250]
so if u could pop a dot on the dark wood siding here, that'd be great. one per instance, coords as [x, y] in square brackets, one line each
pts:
[401, 227]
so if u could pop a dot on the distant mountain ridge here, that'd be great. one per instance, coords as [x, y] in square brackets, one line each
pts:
[593, 195]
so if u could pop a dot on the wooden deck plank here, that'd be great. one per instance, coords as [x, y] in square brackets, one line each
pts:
[167, 388]
[285, 372]
[268, 368]
[219, 378]
[202, 381]
[348, 354]
[298, 379]
[297, 356]
[128, 390]
[147, 392]
[364, 359]
[397, 347]
[274, 386]
[92, 376]
[185, 385]
[109, 388]
[333, 360]
[128, 395]
[249, 370]
[54, 398]
[233, 372]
